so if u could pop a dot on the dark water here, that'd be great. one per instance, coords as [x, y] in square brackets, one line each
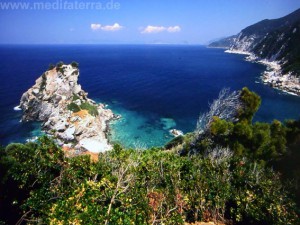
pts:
[155, 88]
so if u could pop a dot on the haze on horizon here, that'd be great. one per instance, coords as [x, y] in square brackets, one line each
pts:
[132, 22]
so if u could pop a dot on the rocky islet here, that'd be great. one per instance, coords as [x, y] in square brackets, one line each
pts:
[77, 123]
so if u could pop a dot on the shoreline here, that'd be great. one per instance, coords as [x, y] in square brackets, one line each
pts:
[78, 124]
[273, 75]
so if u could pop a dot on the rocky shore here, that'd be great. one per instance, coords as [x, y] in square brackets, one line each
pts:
[273, 75]
[77, 123]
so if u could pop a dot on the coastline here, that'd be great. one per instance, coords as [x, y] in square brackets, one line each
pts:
[77, 123]
[273, 75]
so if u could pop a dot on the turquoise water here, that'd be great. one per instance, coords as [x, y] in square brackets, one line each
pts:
[154, 88]
[136, 129]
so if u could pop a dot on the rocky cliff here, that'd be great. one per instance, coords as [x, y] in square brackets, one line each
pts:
[275, 43]
[75, 121]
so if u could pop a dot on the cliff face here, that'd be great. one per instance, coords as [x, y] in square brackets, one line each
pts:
[274, 40]
[76, 122]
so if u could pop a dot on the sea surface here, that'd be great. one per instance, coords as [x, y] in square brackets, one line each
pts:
[154, 87]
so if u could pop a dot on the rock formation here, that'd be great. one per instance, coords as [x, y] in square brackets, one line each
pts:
[274, 43]
[76, 122]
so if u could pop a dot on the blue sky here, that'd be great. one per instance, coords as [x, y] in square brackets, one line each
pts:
[133, 21]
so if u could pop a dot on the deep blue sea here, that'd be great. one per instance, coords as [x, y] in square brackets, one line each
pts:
[154, 87]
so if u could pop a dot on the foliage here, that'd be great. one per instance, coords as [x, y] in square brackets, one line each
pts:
[289, 164]
[259, 141]
[251, 103]
[175, 142]
[73, 107]
[284, 44]
[59, 64]
[59, 67]
[92, 109]
[44, 82]
[75, 64]
[142, 187]
[27, 171]
[75, 97]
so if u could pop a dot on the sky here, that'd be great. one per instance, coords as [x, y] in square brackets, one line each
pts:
[132, 21]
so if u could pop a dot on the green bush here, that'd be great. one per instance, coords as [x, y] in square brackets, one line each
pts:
[75, 97]
[140, 187]
[73, 107]
[75, 64]
[59, 64]
[174, 142]
[92, 109]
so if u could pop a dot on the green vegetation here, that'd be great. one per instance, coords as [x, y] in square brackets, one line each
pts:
[138, 187]
[92, 109]
[75, 97]
[73, 107]
[44, 82]
[251, 103]
[59, 67]
[287, 40]
[59, 64]
[75, 64]
[223, 173]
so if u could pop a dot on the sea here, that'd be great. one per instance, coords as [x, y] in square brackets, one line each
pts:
[154, 88]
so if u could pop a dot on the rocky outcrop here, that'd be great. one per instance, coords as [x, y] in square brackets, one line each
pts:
[176, 133]
[75, 121]
[274, 43]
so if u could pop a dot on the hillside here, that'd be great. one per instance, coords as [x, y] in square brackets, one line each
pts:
[273, 40]
[223, 43]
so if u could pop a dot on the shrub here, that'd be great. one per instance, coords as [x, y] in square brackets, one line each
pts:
[139, 187]
[92, 109]
[75, 97]
[74, 64]
[59, 64]
[174, 142]
[73, 107]
[44, 81]
[251, 102]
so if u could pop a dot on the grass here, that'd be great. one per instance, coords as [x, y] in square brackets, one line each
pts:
[92, 109]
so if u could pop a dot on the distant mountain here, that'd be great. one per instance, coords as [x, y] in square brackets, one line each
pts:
[275, 40]
[224, 42]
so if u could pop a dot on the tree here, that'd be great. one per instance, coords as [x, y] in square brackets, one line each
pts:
[225, 107]
[250, 104]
